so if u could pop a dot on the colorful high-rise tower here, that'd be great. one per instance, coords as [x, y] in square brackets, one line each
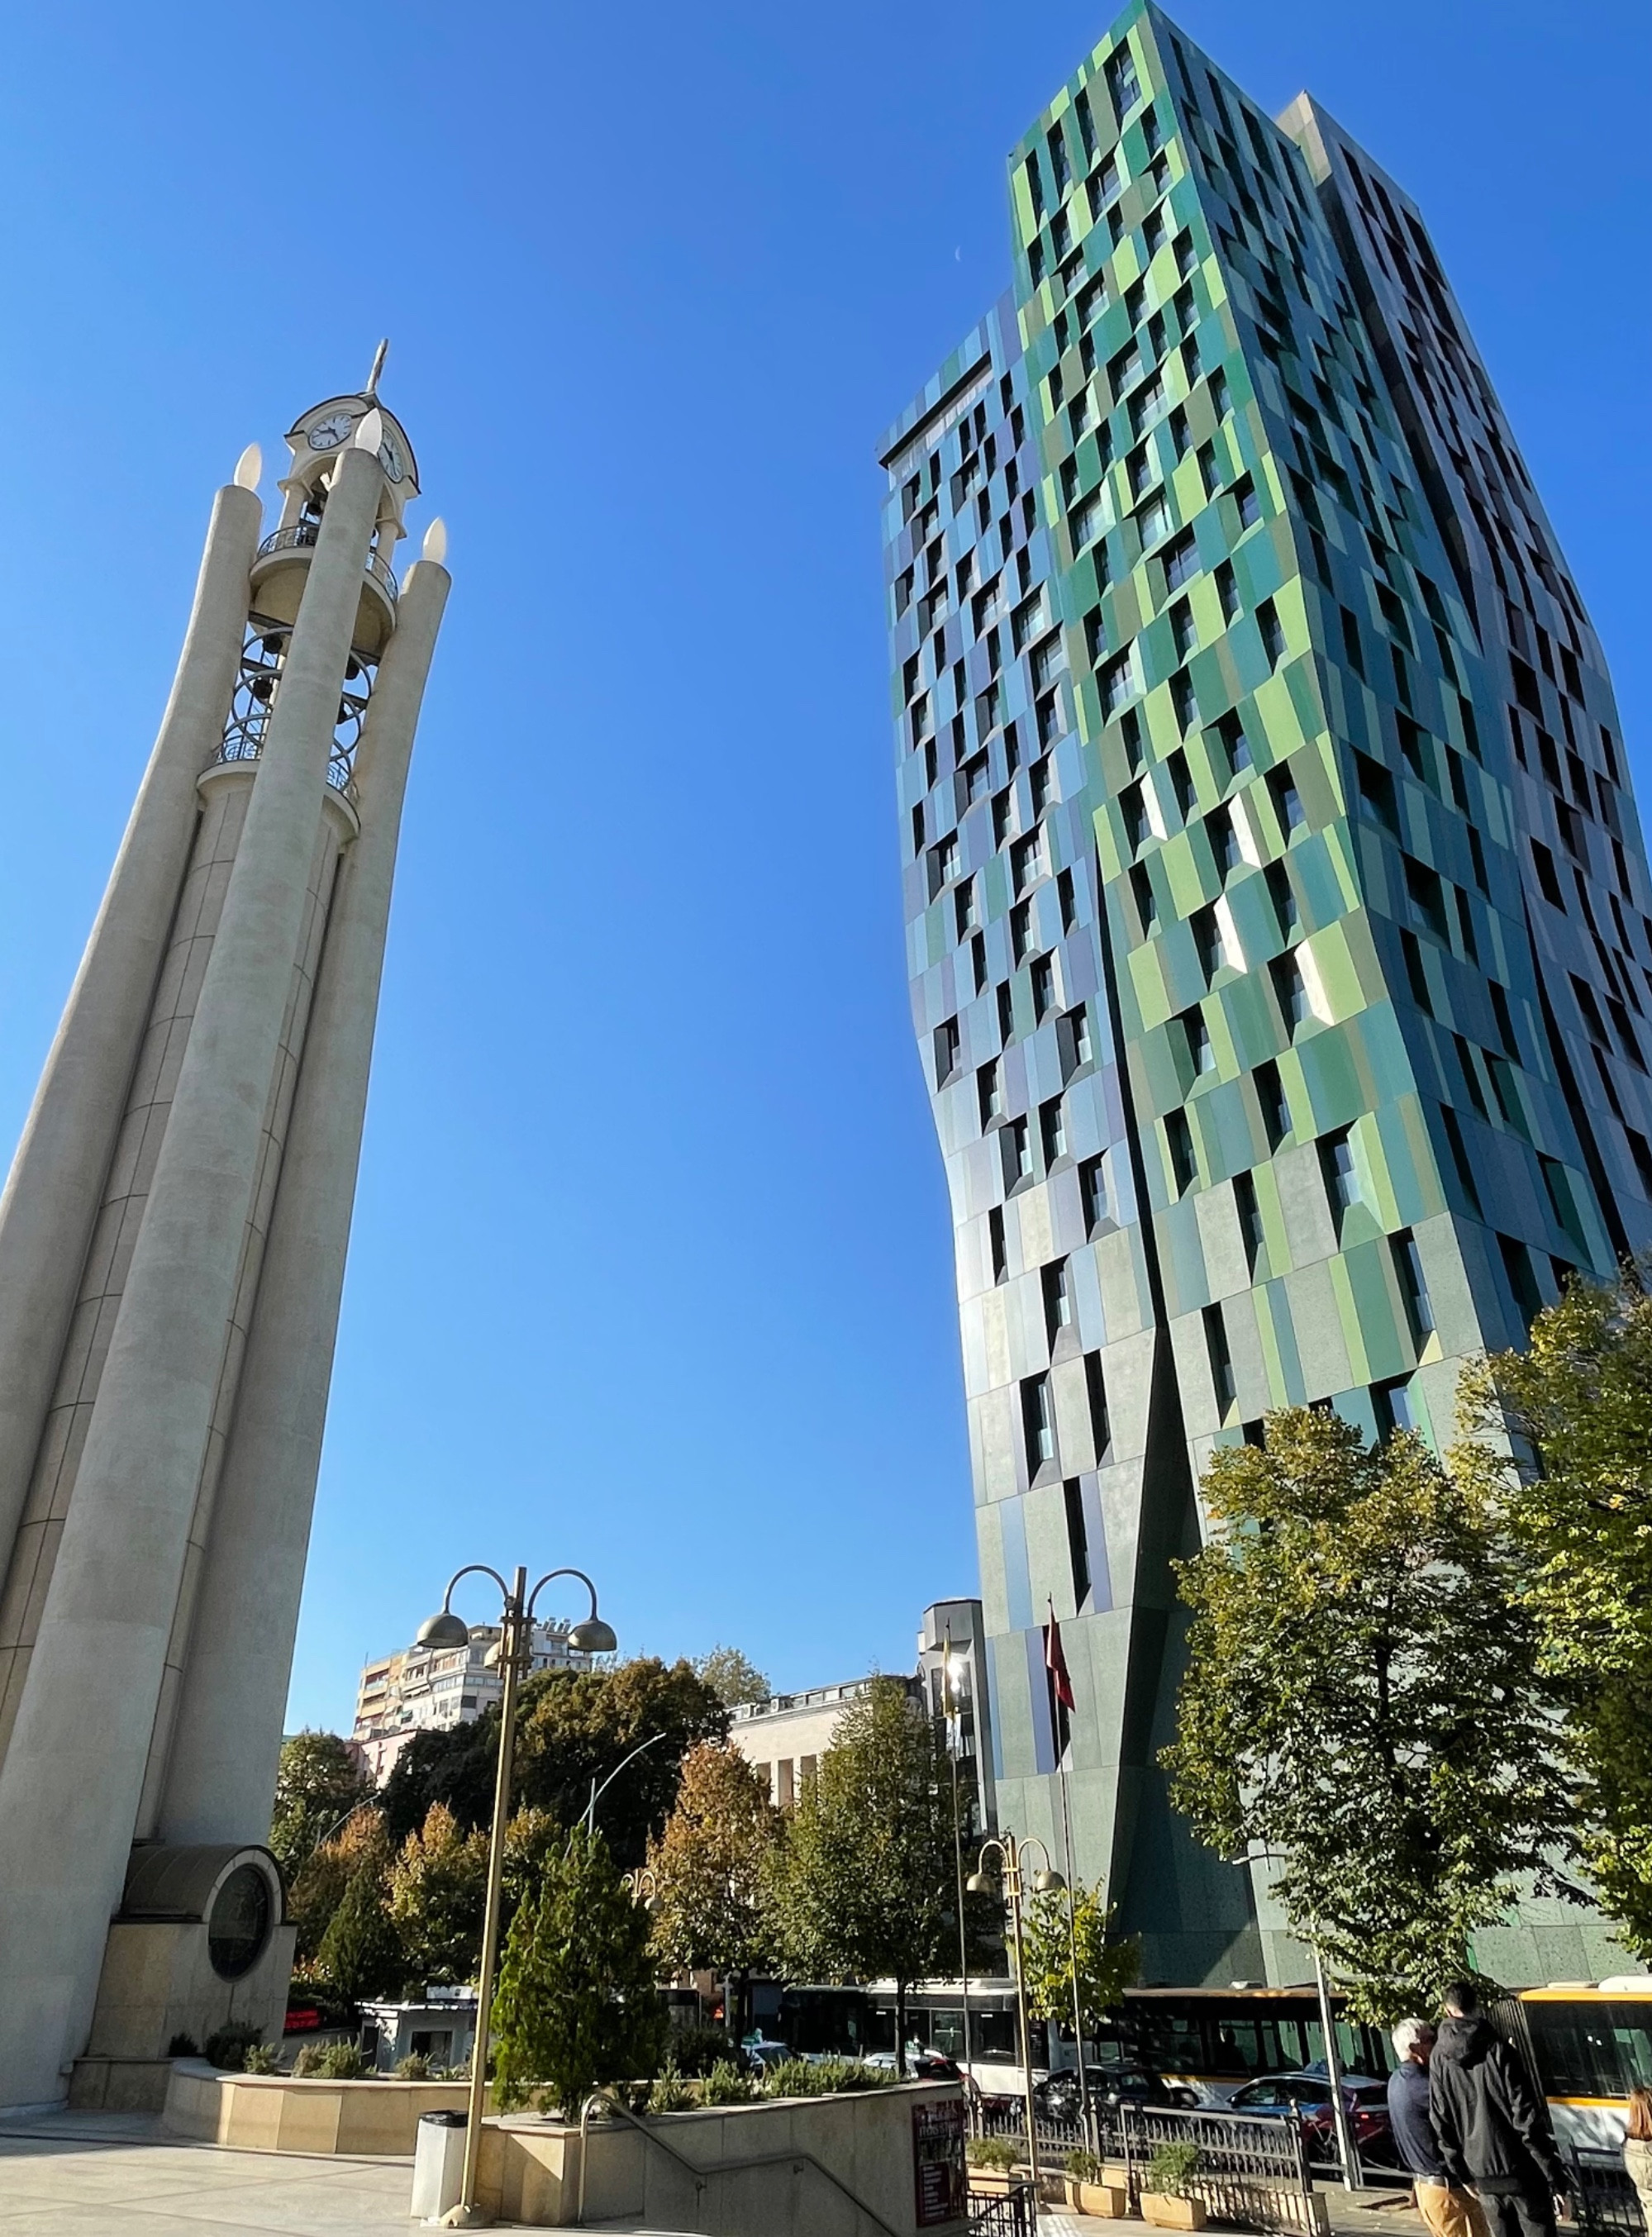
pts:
[172, 1248]
[1277, 909]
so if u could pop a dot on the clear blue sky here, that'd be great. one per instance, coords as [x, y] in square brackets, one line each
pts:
[651, 1269]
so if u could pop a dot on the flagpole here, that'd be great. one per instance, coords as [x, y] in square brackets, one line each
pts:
[1057, 1661]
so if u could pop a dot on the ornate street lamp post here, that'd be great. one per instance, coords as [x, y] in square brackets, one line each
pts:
[515, 1654]
[951, 1708]
[1007, 1882]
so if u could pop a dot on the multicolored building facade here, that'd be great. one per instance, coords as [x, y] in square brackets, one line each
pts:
[1277, 909]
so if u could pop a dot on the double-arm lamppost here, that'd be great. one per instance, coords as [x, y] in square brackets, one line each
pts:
[515, 1657]
[1007, 1879]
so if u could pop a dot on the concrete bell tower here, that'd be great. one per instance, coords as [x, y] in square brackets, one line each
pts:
[172, 1248]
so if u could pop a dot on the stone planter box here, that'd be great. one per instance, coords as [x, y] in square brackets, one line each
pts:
[1110, 2201]
[747, 2177]
[1165, 2213]
[274, 2113]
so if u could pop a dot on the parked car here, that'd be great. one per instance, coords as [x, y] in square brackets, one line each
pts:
[1304, 2096]
[1058, 2099]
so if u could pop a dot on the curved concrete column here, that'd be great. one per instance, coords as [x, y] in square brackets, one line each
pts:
[71, 1785]
[221, 1774]
[56, 1185]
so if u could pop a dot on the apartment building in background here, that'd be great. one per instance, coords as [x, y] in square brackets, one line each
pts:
[1276, 902]
[421, 1689]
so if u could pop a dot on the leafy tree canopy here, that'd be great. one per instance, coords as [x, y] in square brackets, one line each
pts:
[1574, 1486]
[862, 1882]
[1106, 1968]
[437, 1884]
[360, 1954]
[574, 1727]
[576, 2006]
[318, 1781]
[1363, 1702]
[361, 1844]
[731, 1676]
[708, 1864]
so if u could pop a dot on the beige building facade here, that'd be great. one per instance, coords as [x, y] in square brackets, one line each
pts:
[421, 1689]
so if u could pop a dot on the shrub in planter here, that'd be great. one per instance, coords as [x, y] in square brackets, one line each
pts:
[331, 2062]
[726, 2085]
[183, 2046]
[824, 2077]
[260, 2058]
[669, 2093]
[1166, 2189]
[994, 2152]
[414, 2068]
[1084, 2167]
[227, 2047]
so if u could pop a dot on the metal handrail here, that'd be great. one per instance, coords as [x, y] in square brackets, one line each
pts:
[701, 2171]
[301, 535]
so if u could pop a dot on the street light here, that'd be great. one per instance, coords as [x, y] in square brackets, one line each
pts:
[1007, 1882]
[515, 1654]
[641, 1885]
[952, 1668]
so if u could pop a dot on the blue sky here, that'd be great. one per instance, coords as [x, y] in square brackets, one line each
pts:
[651, 1269]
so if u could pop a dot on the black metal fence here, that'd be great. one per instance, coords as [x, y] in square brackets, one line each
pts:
[1605, 2201]
[1003, 2213]
[1252, 2171]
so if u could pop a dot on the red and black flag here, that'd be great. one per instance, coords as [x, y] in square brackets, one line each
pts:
[1061, 1683]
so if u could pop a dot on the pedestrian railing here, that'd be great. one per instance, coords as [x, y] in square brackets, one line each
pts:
[1605, 2201]
[1003, 2213]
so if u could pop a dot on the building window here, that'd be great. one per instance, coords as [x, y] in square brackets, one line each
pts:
[1066, 896]
[1093, 1193]
[1391, 1404]
[1276, 1111]
[1267, 621]
[1181, 561]
[1248, 503]
[1058, 1303]
[946, 1052]
[1200, 1050]
[1341, 1174]
[1287, 801]
[1221, 1361]
[1038, 1423]
[1052, 1130]
[989, 1093]
[1250, 1220]
[1020, 931]
[1016, 1148]
[1043, 977]
[1072, 1041]
[1282, 894]
[997, 1251]
[965, 907]
[1413, 1288]
[1122, 82]
[1178, 1141]
[1291, 991]
[1095, 1391]
[1078, 1543]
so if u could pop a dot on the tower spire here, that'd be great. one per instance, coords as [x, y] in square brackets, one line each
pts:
[379, 357]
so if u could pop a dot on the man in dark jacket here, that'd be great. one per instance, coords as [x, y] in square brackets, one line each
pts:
[1449, 2209]
[1492, 2126]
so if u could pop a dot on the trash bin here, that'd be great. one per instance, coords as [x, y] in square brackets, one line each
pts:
[439, 2164]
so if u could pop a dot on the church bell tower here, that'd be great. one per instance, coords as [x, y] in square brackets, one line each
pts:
[172, 1248]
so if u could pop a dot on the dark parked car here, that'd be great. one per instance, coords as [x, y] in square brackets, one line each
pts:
[1306, 2095]
[1058, 2099]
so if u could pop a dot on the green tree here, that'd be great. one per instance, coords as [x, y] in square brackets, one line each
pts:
[1560, 1438]
[318, 1783]
[437, 1886]
[577, 1727]
[1363, 1703]
[862, 1883]
[360, 1953]
[361, 1844]
[731, 1676]
[1106, 1968]
[708, 1866]
[576, 2006]
[573, 1728]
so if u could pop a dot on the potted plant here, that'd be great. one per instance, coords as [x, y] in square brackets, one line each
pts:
[991, 2160]
[1166, 2199]
[1088, 2190]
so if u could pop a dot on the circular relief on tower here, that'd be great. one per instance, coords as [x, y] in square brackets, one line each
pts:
[238, 1925]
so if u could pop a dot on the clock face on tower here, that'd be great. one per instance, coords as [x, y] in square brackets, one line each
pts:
[391, 458]
[328, 433]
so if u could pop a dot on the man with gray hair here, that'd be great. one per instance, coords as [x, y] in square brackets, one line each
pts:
[1449, 2210]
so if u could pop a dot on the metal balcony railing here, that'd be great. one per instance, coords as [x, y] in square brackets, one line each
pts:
[301, 535]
